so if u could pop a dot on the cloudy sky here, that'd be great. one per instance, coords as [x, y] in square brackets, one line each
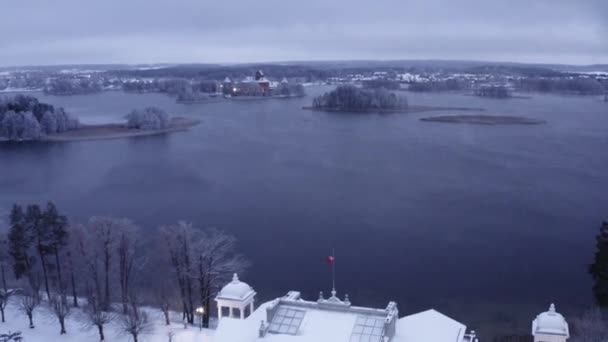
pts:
[37, 32]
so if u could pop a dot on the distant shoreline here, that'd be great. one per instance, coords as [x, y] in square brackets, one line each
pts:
[410, 109]
[118, 131]
[484, 120]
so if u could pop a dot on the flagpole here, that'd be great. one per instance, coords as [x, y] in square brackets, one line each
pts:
[333, 271]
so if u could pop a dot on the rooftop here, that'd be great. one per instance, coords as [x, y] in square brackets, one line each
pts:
[291, 318]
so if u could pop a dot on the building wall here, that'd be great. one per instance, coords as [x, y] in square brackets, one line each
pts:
[549, 338]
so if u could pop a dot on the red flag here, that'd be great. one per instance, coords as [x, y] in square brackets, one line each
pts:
[330, 259]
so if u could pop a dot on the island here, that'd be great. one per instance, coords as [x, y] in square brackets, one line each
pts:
[24, 118]
[120, 130]
[484, 119]
[350, 99]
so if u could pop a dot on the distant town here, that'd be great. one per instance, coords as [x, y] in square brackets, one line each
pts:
[196, 83]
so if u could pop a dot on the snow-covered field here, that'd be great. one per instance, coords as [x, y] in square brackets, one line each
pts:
[47, 328]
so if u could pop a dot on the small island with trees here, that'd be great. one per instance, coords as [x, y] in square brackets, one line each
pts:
[348, 98]
[24, 118]
[351, 99]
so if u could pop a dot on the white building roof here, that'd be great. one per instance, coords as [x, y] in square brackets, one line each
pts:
[429, 326]
[236, 290]
[332, 320]
[550, 323]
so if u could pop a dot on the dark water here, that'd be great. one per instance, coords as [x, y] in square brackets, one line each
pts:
[485, 223]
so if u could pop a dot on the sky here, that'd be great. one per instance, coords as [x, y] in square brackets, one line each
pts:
[43, 32]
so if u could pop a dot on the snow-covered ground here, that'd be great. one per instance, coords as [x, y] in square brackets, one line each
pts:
[47, 328]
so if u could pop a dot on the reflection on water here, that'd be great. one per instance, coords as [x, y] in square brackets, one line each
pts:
[467, 219]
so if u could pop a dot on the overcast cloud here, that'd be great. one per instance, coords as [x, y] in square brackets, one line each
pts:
[38, 32]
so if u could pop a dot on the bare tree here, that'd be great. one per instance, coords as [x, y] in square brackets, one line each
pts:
[90, 256]
[95, 316]
[5, 296]
[217, 261]
[103, 228]
[165, 296]
[127, 248]
[592, 326]
[177, 241]
[4, 259]
[135, 322]
[29, 303]
[59, 307]
[71, 251]
[95, 245]
[202, 262]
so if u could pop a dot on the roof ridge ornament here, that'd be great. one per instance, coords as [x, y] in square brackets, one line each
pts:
[552, 308]
[235, 278]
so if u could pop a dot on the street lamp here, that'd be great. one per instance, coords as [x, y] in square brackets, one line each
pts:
[200, 311]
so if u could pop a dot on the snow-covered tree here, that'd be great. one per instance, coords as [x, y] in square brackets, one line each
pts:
[135, 322]
[59, 307]
[37, 233]
[150, 118]
[41, 233]
[25, 118]
[592, 326]
[28, 304]
[31, 128]
[91, 256]
[5, 296]
[56, 232]
[103, 231]
[12, 126]
[21, 250]
[202, 262]
[177, 244]
[217, 261]
[129, 260]
[95, 317]
[4, 259]
[165, 296]
[49, 123]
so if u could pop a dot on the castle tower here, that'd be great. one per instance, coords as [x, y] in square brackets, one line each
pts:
[550, 326]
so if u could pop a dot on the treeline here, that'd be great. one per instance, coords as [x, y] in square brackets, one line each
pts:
[182, 89]
[25, 118]
[216, 72]
[443, 85]
[289, 90]
[112, 264]
[493, 91]
[197, 91]
[149, 118]
[378, 84]
[351, 98]
[70, 86]
[171, 86]
[578, 85]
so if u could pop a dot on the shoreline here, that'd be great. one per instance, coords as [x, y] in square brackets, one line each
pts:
[118, 131]
[410, 109]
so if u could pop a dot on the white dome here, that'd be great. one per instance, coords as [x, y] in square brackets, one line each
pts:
[236, 289]
[550, 322]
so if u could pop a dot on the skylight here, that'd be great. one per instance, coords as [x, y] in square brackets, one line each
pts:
[286, 321]
[367, 329]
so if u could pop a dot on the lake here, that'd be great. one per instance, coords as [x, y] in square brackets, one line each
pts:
[488, 224]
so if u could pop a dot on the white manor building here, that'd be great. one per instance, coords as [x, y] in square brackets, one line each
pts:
[292, 319]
